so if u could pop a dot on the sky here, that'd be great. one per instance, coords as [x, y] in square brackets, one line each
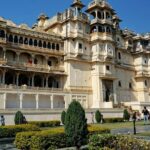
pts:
[134, 13]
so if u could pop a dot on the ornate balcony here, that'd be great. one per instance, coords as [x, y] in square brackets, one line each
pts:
[3, 61]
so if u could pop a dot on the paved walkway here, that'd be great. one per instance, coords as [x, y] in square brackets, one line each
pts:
[139, 129]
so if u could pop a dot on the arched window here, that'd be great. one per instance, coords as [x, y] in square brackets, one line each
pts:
[15, 39]
[53, 45]
[21, 40]
[100, 29]
[99, 15]
[31, 42]
[49, 45]
[40, 43]
[130, 85]
[35, 42]
[10, 39]
[57, 47]
[119, 55]
[44, 44]
[2, 33]
[145, 82]
[108, 30]
[26, 41]
[119, 84]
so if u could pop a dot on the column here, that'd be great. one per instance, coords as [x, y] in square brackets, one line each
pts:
[43, 81]
[47, 81]
[18, 56]
[3, 80]
[37, 101]
[33, 59]
[114, 93]
[33, 80]
[4, 54]
[5, 96]
[21, 99]
[52, 101]
[17, 79]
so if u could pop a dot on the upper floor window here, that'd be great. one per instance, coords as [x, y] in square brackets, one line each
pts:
[130, 85]
[145, 82]
[80, 46]
[119, 84]
[108, 67]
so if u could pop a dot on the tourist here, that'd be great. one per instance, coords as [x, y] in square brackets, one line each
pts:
[146, 115]
[2, 120]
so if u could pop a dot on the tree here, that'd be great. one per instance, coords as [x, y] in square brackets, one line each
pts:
[76, 125]
[126, 115]
[19, 118]
[63, 115]
[98, 116]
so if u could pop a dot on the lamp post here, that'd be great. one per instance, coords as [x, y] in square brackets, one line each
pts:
[134, 120]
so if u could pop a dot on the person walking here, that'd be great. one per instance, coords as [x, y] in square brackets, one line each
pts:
[146, 115]
[2, 120]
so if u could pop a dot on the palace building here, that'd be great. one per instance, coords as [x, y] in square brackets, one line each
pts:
[75, 55]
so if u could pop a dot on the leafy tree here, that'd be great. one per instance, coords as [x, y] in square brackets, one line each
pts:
[63, 115]
[76, 125]
[98, 116]
[126, 115]
[19, 118]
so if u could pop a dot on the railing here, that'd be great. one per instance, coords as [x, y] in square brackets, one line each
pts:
[25, 87]
[36, 48]
[3, 61]
[35, 67]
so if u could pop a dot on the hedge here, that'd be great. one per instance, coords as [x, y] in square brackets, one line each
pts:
[118, 142]
[11, 131]
[49, 139]
[53, 123]
[113, 120]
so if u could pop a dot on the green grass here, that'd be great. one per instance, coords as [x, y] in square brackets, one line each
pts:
[110, 125]
[143, 134]
[120, 125]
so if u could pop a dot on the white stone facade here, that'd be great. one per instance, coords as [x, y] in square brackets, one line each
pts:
[73, 56]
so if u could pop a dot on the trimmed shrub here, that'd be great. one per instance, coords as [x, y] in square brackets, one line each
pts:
[76, 125]
[49, 139]
[54, 123]
[98, 116]
[113, 120]
[19, 118]
[63, 115]
[11, 131]
[119, 142]
[126, 115]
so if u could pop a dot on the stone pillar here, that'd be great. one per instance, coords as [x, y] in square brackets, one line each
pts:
[33, 59]
[33, 80]
[43, 81]
[3, 80]
[96, 14]
[17, 79]
[18, 56]
[66, 102]
[37, 101]
[114, 93]
[5, 96]
[21, 99]
[47, 81]
[4, 56]
[52, 101]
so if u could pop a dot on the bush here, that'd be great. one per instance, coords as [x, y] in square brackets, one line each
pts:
[113, 120]
[11, 131]
[126, 115]
[76, 125]
[98, 116]
[19, 118]
[49, 139]
[97, 142]
[53, 123]
[63, 115]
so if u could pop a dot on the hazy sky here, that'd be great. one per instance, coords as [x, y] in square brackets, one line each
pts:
[134, 13]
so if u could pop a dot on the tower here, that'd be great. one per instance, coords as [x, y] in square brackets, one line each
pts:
[103, 49]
